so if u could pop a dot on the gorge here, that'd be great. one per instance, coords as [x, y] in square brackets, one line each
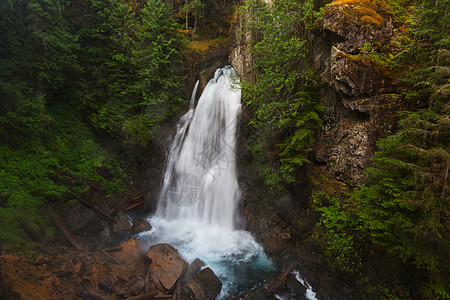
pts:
[336, 161]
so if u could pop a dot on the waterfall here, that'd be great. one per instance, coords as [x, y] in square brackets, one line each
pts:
[198, 208]
[200, 181]
[198, 205]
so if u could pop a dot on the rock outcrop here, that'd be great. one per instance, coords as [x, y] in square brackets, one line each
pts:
[204, 285]
[240, 57]
[166, 265]
[360, 97]
[354, 23]
[140, 225]
[356, 88]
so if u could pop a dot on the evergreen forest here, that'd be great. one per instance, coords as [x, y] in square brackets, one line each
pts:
[75, 74]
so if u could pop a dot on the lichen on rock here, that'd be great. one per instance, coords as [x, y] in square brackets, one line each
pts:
[356, 22]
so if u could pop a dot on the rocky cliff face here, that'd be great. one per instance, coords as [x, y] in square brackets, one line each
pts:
[358, 93]
[360, 98]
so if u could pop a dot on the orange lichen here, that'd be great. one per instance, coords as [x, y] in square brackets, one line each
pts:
[371, 20]
[369, 16]
[365, 3]
[365, 9]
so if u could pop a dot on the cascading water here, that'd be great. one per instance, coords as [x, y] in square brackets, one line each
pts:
[198, 206]
[200, 180]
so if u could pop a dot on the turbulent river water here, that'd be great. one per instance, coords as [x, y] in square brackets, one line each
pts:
[198, 210]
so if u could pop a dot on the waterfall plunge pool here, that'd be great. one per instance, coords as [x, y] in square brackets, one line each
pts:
[234, 255]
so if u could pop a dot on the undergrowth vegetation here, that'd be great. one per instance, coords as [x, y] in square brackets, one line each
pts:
[71, 73]
[282, 98]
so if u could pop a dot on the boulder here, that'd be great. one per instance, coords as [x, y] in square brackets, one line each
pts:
[132, 253]
[193, 268]
[140, 225]
[166, 265]
[203, 286]
[122, 227]
[78, 216]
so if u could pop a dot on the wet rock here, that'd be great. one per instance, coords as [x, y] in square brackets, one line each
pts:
[122, 227]
[166, 265]
[132, 253]
[203, 285]
[271, 231]
[197, 61]
[296, 288]
[105, 235]
[140, 225]
[193, 268]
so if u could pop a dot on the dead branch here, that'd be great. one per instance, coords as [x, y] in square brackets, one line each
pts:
[127, 202]
[277, 282]
[92, 183]
[34, 234]
[133, 206]
[110, 256]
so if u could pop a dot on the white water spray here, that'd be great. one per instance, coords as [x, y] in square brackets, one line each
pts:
[200, 181]
[198, 206]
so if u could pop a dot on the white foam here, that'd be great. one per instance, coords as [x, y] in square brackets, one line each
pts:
[234, 255]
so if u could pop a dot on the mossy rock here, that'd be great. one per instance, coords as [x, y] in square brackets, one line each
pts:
[203, 46]
[357, 22]
[362, 10]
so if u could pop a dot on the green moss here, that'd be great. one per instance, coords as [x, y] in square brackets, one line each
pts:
[12, 234]
[203, 46]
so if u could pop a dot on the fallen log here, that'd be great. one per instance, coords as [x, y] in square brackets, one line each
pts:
[271, 287]
[60, 224]
[277, 282]
[94, 207]
[113, 249]
[133, 206]
[127, 202]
